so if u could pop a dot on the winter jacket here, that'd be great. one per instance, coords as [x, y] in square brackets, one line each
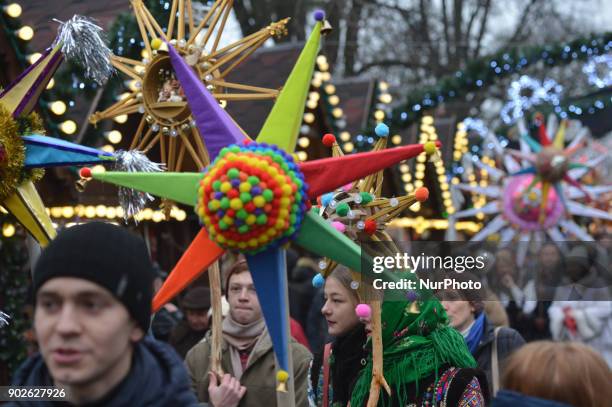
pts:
[508, 340]
[259, 377]
[183, 338]
[507, 398]
[157, 378]
[163, 323]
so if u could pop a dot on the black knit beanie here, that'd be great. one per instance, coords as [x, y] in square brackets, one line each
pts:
[104, 254]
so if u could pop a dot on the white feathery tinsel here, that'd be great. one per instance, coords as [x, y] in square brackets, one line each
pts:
[4, 319]
[84, 43]
[133, 201]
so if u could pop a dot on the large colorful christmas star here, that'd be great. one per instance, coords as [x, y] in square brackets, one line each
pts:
[156, 94]
[23, 148]
[254, 198]
[539, 190]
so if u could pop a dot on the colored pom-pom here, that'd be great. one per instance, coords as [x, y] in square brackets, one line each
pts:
[363, 311]
[233, 173]
[156, 43]
[421, 194]
[339, 226]
[412, 295]
[85, 172]
[252, 198]
[366, 197]
[281, 377]
[318, 280]
[370, 226]
[319, 15]
[430, 147]
[329, 140]
[343, 209]
[327, 198]
[381, 130]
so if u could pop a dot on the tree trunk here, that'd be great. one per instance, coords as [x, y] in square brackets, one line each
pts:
[352, 34]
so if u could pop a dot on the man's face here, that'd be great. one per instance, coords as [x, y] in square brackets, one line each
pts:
[197, 319]
[84, 333]
[242, 298]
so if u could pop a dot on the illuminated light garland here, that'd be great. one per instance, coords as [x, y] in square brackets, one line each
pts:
[111, 212]
[475, 125]
[487, 71]
[538, 93]
[421, 224]
[599, 70]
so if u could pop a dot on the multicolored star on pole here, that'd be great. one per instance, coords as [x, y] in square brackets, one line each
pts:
[24, 151]
[254, 197]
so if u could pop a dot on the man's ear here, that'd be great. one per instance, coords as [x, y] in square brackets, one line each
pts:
[137, 332]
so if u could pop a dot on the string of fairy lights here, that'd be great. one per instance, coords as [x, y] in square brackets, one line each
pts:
[324, 95]
[486, 71]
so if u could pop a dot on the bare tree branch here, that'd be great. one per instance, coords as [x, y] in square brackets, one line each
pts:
[457, 37]
[521, 25]
[332, 42]
[483, 26]
[424, 29]
[446, 37]
[387, 63]
[352, 31]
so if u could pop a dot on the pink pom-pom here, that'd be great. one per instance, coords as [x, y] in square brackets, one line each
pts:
[363, 311]
[339, 226]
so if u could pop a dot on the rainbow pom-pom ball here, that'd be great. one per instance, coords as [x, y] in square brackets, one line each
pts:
[252, 197]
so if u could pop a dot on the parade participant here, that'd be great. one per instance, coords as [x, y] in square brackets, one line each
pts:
[188, 332]
[335, 369]
[93, 291]
[247, 354]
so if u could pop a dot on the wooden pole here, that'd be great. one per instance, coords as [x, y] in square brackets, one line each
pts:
[214, 278]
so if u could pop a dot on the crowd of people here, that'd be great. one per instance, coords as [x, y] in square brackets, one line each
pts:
[531, 342]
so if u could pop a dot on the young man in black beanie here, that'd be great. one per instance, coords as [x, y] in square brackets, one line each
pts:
[93, 292]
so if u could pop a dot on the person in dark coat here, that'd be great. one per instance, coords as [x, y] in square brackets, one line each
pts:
[465, 312]
[157, 378]
[93, 289]
[301, 291]
[168, 316]
[188, 332]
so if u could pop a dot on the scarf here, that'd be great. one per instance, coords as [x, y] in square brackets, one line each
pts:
[417, 341]
[474, 335]
[241, 338]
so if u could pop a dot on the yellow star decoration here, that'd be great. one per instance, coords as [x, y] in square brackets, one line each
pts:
[154, 91]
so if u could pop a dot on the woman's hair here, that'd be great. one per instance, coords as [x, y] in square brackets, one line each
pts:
[345, 277]
[473, 296]
[239, 266]
[569, 372]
